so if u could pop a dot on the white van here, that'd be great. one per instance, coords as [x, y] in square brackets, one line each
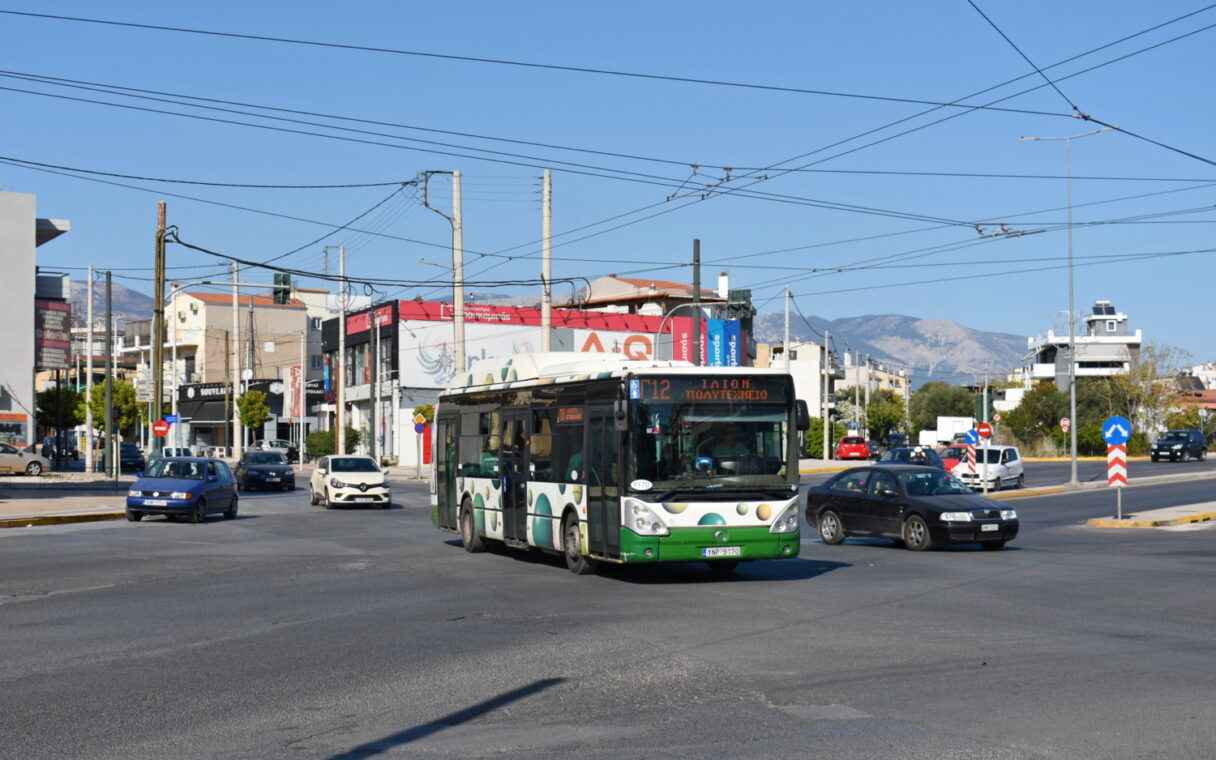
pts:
[1004, 469]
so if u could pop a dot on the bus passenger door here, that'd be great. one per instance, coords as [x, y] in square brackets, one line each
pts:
[446, 470]
[602, 479]
[513, 469]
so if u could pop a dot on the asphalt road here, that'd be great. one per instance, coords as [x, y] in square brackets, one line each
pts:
[299, 632]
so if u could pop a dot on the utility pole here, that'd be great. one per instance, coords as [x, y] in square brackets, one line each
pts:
[340, 433]
[696, 301]
[462, 363]
[89, 438]
[373, 445]
[158, 330]
[785, 346]
[303, 400]
[108, 456]
[546, 268]
[237, 433]
[866, 404]
[827, 421]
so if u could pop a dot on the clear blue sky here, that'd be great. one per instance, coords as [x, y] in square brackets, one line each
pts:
[900, 232]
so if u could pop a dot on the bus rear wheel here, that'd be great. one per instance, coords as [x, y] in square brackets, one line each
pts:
[576, 561]
[473, 543]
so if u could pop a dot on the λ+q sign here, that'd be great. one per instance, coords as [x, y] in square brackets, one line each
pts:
[1116, 430]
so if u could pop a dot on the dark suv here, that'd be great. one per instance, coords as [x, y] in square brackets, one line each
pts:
[1180, 445]
[53, 445]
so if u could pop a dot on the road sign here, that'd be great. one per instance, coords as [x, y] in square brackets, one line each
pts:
[984, 429]
[1064, 423]
[419, 419]
[996, 417]
[419, 427]
[972, 437]
[1116, 465]
[172, 418]
[1116, 430]
[160, 427]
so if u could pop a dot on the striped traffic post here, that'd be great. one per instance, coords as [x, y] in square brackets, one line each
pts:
[1116, 431]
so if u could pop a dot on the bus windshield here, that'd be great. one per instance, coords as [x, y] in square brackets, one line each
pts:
[695, 445]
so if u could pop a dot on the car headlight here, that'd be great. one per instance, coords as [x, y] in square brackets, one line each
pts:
[787, 521]
[1009, 514]
[336, 483]
[1177, 445]
[385, 484]
[135, 493]
[641, 519]
[179, 495]
[956, 516]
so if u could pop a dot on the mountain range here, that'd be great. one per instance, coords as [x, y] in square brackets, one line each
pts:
[934, 349]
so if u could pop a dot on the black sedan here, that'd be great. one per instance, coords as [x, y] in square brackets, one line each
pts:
[920, 506]
[129, 458]
[264, 469]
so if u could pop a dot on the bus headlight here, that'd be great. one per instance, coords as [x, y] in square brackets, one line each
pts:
[641, 519]
[787, 521]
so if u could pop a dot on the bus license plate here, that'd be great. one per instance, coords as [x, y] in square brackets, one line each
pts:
[989, 527]
[155, 503]
[722, 551]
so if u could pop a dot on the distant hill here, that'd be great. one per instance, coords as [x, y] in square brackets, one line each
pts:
[128, 305]
[936, 349]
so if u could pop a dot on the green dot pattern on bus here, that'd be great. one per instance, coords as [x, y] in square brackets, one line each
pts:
[713, 518]
[542, 524]
[741, 509]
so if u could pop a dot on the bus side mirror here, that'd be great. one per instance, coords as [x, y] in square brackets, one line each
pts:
[802, 415]
[620, 415]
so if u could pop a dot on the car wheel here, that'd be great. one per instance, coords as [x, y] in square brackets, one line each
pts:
[1154, 459]
[230, 514]
[1021, 481]
[723, 569]
[327, 502]
[830, 529]
[33, 468]
[473, 543]
[916, 534]
[134, 516]
[200, 511]
[576, 561]
[1203, 455]
[992, 545]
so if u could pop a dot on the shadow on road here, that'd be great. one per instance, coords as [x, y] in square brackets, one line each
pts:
[400, 738]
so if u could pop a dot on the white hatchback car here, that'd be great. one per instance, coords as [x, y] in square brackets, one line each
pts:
[1004, 469]
[339, 481]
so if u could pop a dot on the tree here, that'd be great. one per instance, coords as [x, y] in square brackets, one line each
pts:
[813, 438]
[885, 414]
[69, 400]
[252, 408]
[1148, 391]
[1038, 415]
[938, 399]
[122, 396]
[426, 410]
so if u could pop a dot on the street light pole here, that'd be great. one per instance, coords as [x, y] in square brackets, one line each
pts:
[1072, 329]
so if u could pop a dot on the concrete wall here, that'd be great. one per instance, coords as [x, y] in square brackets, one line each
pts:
[17, 242]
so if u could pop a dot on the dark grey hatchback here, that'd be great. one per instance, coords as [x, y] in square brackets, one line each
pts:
[920, 506]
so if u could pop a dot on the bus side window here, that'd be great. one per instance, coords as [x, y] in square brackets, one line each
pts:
[490, 445]
[568, 454]
[541, 446]
[470, 456]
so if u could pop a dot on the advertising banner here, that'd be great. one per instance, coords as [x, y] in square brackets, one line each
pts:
[52, 335]
[734, 346]
[715, 330]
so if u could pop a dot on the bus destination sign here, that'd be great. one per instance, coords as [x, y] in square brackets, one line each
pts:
[708, 389]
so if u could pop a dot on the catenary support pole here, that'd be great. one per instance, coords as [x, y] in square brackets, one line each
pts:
[89, 437]
[546, 268]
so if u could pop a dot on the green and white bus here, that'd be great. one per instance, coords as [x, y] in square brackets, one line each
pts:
[609, 460]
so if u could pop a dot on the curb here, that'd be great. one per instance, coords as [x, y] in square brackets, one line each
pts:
[28, 522]
[1110, 522]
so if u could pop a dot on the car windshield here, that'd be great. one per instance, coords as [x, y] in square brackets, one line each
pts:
[129, 448]
[954, 452]
[177, 470]
[1174, 435]
[353, 464]
[931, 483]
[265, 457]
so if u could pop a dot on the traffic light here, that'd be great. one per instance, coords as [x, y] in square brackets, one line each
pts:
[282, 288]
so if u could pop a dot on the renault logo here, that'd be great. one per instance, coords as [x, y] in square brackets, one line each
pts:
[363, 486]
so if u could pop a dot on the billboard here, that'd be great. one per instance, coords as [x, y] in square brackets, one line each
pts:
[52, 335]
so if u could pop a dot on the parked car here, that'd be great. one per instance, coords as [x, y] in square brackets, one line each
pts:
[191, 487]
[1180, 445]
[52, 445]
[264, 469]
[1004, 468]
[286, 448]
[876, 449]
[921, 506]
[852, 447]
[342, 480]
[912, 455]
[129, 458]
[14, 461]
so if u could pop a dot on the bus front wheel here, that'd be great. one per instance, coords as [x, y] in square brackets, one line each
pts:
[473, 543]
[576, 561]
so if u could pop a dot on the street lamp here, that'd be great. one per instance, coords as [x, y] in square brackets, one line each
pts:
[1072, 333]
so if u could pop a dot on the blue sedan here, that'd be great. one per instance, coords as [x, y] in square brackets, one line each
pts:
[183, 486]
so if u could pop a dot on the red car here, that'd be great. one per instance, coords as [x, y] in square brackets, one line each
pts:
[852, 447]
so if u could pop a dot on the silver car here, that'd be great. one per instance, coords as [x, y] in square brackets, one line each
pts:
[14, 461]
